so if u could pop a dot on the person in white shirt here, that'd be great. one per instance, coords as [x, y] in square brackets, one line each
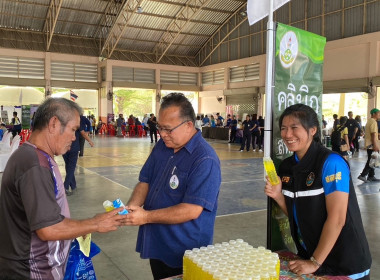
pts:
[198, 123]
[145, 124]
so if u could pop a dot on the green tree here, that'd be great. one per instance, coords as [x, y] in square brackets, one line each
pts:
[132, 101]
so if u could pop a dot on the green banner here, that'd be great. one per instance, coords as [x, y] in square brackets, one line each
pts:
[25, 117]
[298, 79]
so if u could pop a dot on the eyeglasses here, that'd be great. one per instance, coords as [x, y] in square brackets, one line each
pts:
[169, 131]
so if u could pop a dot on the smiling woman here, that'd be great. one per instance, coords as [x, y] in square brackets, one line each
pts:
[317, 194]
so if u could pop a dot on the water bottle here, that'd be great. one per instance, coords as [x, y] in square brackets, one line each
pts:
[108, 206]
[271, 171]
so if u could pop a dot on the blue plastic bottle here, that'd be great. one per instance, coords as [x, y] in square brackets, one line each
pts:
[117, 203]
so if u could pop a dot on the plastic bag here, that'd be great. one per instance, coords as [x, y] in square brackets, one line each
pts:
[361, 142]
[78, 265]
[375, 160]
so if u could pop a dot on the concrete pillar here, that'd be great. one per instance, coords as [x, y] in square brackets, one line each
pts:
[106, 94]
[156, 100]
[342, 100]
[260, 103]
[372, 104]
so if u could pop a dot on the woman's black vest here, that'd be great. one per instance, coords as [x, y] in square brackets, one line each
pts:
[303, 189]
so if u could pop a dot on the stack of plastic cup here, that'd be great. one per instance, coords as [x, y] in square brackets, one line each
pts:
[231, 260]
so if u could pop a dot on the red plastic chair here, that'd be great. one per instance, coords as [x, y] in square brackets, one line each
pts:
[24, 134]
[28, 136]
[124, 130]
[103, 129]
[140, 130]
[111, 130]
[132, 130]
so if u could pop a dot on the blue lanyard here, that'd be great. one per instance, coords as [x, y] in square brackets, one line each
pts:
[52, 170]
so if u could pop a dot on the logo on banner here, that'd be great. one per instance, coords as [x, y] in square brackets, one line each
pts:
[288, 49]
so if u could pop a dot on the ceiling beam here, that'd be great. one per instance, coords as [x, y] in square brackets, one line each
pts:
[108, 18]
[177, 25]
[191, 6]
[154, 42]
[151, 58]
[164, 30]
[119, 26]
[181, 18]
[51, 20]
[46, 6]
[225, 30]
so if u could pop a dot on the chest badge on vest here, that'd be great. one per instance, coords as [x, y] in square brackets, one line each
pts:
[310, 179]
[285, 179]
[174, 182]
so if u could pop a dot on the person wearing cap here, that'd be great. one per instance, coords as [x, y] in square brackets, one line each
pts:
[371, 143]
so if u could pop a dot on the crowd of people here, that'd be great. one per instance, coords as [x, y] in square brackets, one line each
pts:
[121, 125]
[250, 131]
[176, 197]
[350, 131]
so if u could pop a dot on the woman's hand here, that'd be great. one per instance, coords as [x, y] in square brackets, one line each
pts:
[300, 267]
[273, 191]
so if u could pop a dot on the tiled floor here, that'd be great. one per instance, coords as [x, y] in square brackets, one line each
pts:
[110, 170]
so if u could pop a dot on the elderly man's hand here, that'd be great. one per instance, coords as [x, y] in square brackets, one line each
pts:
[110, 221]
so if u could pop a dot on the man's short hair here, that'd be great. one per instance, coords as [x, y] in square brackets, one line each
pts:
[179, 100]
[61, 108]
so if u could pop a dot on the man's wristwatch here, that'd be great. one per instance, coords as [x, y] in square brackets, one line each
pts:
[315, 261]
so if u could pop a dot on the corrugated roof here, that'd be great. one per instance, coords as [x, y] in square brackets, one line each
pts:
[95, 18]
[80, 22]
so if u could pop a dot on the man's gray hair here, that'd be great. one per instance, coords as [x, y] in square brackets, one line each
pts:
[61, 108]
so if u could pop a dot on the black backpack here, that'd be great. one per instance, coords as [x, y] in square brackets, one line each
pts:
[336, 139]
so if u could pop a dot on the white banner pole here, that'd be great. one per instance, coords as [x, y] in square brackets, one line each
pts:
[269, 83]
[268, 110]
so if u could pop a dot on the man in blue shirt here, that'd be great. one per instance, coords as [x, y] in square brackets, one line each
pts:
[233, 127]
[175, 201]
[84, 123]
[229, 120]
[71, 158]
[206, 121]
[219, 117]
